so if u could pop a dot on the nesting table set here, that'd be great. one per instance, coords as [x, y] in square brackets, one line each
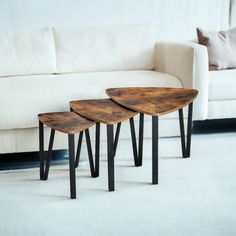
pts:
[124, 104]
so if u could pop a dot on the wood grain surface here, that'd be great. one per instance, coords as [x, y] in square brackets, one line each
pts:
[153, 101]
[102, 110]
[66, 122]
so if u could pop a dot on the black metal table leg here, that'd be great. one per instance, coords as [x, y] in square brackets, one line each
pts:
[71, 140]
[79, 149]
[41, 149]
[134, 144]
[189, 129]
[97, 149]
[140, 140]
[110, 152]
[90, 153]
[186, 147]
[154, 149]
[49, 154]
[117, 137]
[182, 133]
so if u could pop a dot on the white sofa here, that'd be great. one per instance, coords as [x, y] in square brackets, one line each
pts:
[41, 70]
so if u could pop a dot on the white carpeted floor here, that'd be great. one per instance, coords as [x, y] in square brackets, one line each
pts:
[195, 196]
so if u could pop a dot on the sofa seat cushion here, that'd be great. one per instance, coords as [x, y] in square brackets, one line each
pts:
[105, 49]
[27, 52]
[222, 85]
[221, 109]
[23, 97]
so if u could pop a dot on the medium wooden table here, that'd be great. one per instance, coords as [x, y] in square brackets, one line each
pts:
[109, 113]
[155, 102]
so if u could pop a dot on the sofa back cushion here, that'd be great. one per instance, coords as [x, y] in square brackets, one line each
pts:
[24, 52]
[105, 49]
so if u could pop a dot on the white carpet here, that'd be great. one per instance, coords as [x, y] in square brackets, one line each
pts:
[195, 196]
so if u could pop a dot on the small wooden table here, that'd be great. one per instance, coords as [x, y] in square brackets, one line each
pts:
[69, 123]
[109, 113]
[155, 102]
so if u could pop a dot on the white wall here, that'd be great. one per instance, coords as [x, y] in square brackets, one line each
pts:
[233, 13]
[175, 19]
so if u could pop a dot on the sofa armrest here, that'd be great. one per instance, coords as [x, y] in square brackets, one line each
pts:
[189, 63]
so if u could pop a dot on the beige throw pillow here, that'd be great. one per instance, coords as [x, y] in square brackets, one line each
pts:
[221, 48]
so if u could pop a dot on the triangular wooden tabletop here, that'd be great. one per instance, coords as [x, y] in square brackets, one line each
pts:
[105, 111]
[153, 101]
[66, 122]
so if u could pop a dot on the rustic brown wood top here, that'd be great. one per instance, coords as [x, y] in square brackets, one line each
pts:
[152, 100]
[102, 110]
[66, 122]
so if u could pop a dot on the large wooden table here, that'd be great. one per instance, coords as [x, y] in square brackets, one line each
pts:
[155, 102]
